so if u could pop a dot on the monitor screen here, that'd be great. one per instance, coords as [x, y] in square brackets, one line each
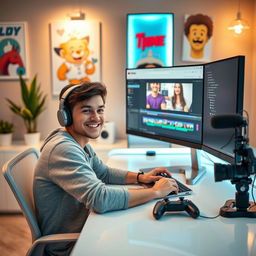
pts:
[223, 94]
[176, 104]
[166, 104]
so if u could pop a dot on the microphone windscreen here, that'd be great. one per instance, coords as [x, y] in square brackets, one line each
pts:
[226, 121]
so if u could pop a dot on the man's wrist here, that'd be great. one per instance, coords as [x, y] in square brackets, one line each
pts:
[139, 175]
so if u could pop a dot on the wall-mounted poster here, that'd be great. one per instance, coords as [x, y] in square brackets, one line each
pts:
[13, 51]
[150, 40]
[197, 38]
[75, 51]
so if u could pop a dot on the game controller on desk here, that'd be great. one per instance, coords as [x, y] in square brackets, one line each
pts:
[182, 204]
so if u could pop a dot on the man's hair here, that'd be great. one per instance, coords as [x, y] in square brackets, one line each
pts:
[84, 92]
[199, 19]
[155, 83]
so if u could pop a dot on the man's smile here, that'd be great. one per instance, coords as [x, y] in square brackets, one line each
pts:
[93, 125]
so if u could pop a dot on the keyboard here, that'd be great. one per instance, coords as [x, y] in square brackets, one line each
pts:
[183, 189]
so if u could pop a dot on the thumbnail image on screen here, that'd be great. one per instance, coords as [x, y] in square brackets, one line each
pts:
[169, 96]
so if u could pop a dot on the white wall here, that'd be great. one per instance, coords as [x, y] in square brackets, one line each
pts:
[112, 15]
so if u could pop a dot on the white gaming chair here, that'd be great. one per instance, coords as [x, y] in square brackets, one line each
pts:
[19, 173]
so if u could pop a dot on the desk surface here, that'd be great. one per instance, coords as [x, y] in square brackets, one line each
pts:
[135, 231]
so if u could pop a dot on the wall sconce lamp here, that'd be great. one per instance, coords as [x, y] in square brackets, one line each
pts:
[238, 25]
[77, 15]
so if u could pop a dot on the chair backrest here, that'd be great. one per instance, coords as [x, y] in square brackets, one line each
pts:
[19, 173]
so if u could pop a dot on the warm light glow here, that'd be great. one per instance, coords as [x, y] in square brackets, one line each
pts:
[238, 25]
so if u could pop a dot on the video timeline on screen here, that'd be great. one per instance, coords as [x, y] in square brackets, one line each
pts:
[170, 124]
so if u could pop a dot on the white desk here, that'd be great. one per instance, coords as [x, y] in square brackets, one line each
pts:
[136, 232]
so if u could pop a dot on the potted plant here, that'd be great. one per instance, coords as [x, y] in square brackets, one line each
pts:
[33, 105]
[6, 130]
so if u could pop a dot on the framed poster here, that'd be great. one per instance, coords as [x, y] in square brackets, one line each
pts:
[13, 50]
[197, 38]
[75, 53]
[150, 40]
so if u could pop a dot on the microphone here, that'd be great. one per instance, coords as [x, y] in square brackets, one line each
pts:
[227, 121]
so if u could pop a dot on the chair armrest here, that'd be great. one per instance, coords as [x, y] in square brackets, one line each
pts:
[38, 245]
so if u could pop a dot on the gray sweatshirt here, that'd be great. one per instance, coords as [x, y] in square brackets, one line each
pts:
[70, 181]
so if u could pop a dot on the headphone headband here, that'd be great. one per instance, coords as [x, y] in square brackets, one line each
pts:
[66, 94]
[63, 114]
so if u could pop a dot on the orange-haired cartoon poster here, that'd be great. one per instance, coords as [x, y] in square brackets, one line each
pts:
[75, 49]
[197, 39]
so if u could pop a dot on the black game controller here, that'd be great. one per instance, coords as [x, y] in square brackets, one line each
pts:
[180, 205]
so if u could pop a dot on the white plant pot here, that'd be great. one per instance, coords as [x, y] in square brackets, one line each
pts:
[5, 139]
[32, 139]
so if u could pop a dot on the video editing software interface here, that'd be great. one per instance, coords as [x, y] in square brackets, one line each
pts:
[154, 109]
[176, 104]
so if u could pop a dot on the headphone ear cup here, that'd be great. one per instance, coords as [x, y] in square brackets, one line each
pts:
[64, 117]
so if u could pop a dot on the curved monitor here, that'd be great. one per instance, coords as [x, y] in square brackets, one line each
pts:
[175, 104]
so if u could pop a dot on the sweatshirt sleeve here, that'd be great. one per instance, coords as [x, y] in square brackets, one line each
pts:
[107, 174]
[70, 168]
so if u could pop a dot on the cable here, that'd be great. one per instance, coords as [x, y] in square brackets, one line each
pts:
[228, 142]
[209, 217]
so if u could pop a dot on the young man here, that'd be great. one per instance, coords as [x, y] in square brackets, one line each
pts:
[70, 180]
[155, 100]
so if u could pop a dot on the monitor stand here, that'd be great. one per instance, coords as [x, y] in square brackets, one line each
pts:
[194, 172]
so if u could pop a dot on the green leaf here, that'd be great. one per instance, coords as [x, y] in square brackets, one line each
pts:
[24, 91]
[26, 113]
[33, 103]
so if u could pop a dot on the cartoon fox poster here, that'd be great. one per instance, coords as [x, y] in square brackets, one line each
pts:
[75, 50]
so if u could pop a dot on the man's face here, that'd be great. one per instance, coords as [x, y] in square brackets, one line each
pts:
[155, 87]
[197, 36]
[88, 118]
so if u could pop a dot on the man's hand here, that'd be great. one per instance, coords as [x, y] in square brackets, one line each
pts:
[153, 175]
[164, 186]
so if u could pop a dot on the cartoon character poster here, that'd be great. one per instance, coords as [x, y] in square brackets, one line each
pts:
[13, 59]
[75, 50]
[150, 40]
[197, 38]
